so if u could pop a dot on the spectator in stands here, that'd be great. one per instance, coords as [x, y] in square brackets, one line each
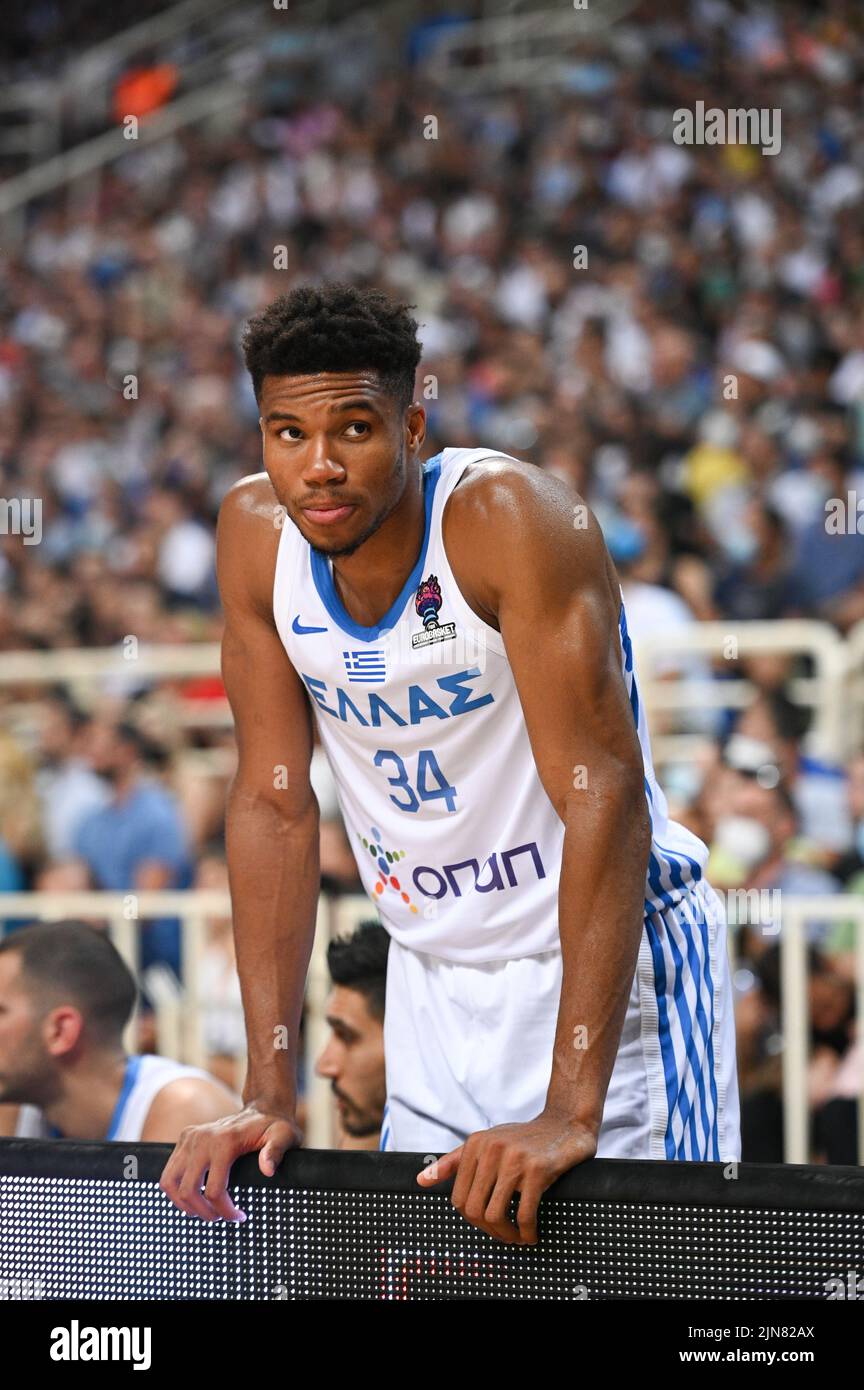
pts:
[20, 822]
[818, 786]
[138, 841]
[850, 867]
[835, 1124]
[69, 789]
[831, 1019]
[753, 584]
[144, 88]
[750, 850]
[655, 611]
[65, 998]
[20, 812]
[353, 1060]
[827, 576]
[186, 549]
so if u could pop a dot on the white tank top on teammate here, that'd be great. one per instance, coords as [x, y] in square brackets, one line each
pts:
[144, 1079]
[456, 840]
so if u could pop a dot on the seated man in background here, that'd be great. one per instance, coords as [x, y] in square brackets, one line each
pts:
[65, 997]
[353, 1059]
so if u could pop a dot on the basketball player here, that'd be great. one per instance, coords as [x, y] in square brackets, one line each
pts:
[65, 998]
[557, 982]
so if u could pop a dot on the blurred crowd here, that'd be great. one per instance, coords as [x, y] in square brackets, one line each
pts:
[676, 330]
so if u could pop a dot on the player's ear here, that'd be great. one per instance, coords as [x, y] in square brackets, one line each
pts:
[415, 425]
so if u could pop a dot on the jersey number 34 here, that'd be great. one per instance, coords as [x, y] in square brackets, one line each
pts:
[431, 783]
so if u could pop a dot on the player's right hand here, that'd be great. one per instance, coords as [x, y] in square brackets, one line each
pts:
[208, 1151]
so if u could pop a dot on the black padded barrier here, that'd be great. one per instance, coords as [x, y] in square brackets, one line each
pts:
[82, 1221]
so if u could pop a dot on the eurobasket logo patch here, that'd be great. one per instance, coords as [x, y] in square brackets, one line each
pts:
[428, 605]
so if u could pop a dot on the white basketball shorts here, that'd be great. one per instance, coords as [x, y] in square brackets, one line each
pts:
[468, 1047]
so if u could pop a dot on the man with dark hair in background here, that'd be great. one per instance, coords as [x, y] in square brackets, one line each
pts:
[353, 1060]
[65, 998]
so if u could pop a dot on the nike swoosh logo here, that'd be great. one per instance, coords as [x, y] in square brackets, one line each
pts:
[298, 627]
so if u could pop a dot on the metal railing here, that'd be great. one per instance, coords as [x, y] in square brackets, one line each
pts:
[181, 1021]
[525, 48]
[216, 82]
[834, 693]
[95, 663]
[92, 156]
[827, 693]
[88, 78]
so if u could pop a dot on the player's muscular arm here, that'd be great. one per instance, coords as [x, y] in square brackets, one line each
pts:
[554, 592]
[271, 831]
[272, 814]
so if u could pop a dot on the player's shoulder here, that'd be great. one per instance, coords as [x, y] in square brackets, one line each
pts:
[251, 502]
[503, 506]
[492, 478]
[247, 542]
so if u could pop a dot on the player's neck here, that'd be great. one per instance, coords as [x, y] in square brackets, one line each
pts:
[369, 581]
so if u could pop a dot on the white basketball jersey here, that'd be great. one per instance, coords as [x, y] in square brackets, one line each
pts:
[456, 840]
[145, 1076]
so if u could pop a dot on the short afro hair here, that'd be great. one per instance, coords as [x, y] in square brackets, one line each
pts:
[334, 328]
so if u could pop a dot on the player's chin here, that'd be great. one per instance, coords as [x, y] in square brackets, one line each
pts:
[334, 538]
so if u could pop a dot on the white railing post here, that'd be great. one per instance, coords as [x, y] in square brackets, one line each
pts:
[855, 688]
[794, 1015]
[163, 988]
[125, 935]
[193, 943]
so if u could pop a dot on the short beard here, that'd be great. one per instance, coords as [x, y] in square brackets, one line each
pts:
[29, 1088]
[362, 1128]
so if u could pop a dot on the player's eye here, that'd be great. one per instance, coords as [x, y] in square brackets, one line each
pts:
[359, 424]
[284, 431]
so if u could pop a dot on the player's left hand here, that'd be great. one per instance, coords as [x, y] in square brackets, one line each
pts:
[494, 1163]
